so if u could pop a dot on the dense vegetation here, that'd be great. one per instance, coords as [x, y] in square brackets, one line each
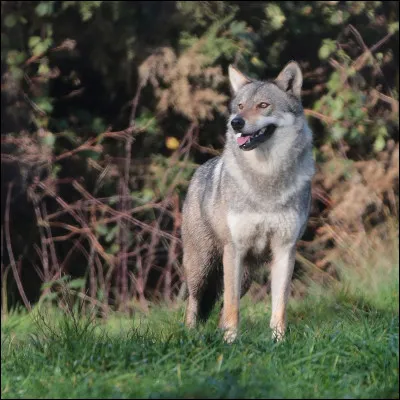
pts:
[108, 107]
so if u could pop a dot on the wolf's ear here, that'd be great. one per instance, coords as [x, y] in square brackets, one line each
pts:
[291, 79]
[237, 79]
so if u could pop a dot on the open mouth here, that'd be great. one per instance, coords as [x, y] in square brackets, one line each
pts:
[251, 141]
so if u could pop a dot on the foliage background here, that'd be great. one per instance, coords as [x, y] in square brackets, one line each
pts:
[108, 107]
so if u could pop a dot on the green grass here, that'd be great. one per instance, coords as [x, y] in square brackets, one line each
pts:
[335, 348]
[341, 343]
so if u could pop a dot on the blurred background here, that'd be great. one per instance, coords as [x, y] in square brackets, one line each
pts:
[108, 107]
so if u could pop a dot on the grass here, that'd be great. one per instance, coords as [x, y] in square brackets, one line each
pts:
[342, 342]
[335, 348]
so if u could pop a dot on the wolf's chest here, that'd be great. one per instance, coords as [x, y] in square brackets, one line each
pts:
[250, 230]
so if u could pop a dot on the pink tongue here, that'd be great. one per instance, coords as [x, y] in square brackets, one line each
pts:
[242, 140]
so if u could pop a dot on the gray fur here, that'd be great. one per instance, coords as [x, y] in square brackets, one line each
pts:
[251, 202]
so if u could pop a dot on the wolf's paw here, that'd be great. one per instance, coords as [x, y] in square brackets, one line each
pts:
[278, 335]
[278, 331]
[230, 335]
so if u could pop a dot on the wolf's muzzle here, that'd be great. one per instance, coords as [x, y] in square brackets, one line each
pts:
[251, 141]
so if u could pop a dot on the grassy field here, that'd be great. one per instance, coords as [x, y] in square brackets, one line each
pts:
[342, 342]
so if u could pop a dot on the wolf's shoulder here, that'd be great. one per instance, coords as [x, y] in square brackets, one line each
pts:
[207, 170]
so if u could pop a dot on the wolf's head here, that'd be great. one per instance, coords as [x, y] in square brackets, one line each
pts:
[259, 109]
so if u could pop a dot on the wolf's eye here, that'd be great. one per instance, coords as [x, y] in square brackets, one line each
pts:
[240, 106]
[263, 105]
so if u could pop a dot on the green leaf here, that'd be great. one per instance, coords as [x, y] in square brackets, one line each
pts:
[100, 295]
[15, 57]
[111, 234]
[16, 72]
[148, 122]
[354, 134]
[40, 48]
[237, 28]
[98, 125]
[55, 171]
[113, 249]
[45, 104]
[67, 4]
[382, 131]
[49, 139]
[101, 229]
[44, 8]
[43, 69]
[338, 132]
[113, 200]
[87, 8]
[328, 47]
[77, 283]
[144, 196]
[10, 20]
[393, 27]
[337, 17]
[275, 16]
[148, 195]
[334, 82]
[337, 108]
[379, 144]
[34, 40]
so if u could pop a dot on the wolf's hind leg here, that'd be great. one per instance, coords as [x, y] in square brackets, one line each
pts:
[204, 283]
[192, 311]
[194, 273]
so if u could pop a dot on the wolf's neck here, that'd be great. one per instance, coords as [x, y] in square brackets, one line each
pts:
[274, 167]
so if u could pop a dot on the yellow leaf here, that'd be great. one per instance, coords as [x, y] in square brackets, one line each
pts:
[256, 61]
[219, 362]
[172, 143]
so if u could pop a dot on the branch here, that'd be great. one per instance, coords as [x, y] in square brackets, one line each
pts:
[10, 251]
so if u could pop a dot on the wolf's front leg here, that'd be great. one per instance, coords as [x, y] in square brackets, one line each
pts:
[281, 276]
[233, 271]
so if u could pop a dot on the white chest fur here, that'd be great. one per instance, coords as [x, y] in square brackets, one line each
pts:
[250, 230]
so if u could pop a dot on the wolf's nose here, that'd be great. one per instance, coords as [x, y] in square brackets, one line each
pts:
[237, 123]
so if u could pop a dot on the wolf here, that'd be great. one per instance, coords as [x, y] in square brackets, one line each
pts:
[247, 208]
